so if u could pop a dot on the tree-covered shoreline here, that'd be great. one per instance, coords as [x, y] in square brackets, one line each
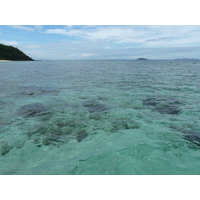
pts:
[12, 53]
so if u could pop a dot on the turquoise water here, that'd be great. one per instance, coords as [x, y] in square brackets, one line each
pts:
[100, 117]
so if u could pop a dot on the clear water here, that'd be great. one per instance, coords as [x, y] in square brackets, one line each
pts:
[100, 117]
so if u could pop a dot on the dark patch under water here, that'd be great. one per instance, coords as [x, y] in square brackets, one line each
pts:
[61, 131]
[36, 91]
[94, 106]
[190, 135]
[5, 148]
[32, 110]
[172, 106]
[124, 123]
[164, 105]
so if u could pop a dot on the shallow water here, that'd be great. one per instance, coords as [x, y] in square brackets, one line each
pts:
[100, 117]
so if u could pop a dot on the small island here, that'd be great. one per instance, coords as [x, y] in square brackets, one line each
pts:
[13, 54]
[142, 59]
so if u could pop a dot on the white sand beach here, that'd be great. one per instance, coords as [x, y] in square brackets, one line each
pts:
[5, 60]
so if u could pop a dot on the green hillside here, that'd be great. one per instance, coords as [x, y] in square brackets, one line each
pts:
[12, 53]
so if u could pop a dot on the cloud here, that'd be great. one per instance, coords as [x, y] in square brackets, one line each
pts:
[115, 34]
[73, 32]
[56, 31]
[116, 42]
[6, 42]
[25, 28]
[87, 55]
[30, 29]
[146, 36]
[160, 39]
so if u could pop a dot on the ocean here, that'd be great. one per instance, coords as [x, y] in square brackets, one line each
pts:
[100, 118]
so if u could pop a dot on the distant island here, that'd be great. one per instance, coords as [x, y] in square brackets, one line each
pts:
[142, 59]
[12, 53]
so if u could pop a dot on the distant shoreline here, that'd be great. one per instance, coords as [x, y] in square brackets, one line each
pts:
[5, 60]
[14, 60]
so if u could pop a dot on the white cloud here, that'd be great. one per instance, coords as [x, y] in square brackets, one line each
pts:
[25, 28]
[73, 32]
[115, 33]
[147, 36]
[119, 42]
[56, 31]
[87, 55]
[6, 42]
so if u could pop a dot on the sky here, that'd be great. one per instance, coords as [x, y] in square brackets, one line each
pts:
[94, 42]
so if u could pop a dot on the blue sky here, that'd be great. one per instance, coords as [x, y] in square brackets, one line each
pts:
[68, 42]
